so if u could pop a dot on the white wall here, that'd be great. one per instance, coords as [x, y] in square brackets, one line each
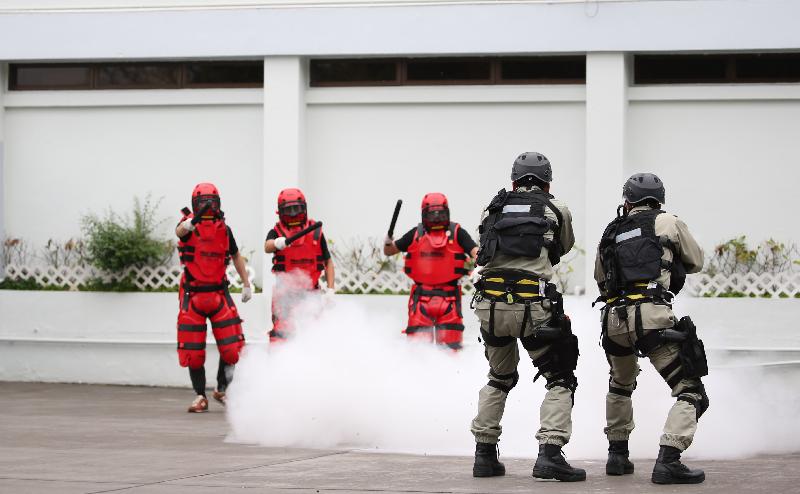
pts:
[361, 158]
[65, 162]
[730, 167]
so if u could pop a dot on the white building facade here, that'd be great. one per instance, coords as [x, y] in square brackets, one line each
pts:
[727, 150]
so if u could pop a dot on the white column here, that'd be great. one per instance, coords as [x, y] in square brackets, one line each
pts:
[3, 86]
[606, 108]
[285, 84]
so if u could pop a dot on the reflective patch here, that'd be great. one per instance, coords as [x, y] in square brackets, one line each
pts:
[625, 236]
[516, 208]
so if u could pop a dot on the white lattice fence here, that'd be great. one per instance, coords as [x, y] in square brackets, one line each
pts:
[380, 282]
[750, 284]
[72, 277]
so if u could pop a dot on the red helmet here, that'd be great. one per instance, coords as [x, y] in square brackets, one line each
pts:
[205, 199]
[435, 211]
[292, 209]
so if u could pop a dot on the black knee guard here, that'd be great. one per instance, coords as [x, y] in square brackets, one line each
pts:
[514, 376]
[700, 405]
[568, 381]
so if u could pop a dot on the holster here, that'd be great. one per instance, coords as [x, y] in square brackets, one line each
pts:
[692, 352]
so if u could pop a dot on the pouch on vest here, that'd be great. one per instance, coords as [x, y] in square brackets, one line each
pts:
[521, 236]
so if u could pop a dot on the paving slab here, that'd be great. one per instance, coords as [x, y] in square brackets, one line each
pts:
[62, 438]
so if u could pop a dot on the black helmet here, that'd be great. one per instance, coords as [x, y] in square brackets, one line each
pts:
[643, 186]
[532, 164]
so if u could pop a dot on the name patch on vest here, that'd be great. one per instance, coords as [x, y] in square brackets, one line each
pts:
[637, 232]
[516, 208]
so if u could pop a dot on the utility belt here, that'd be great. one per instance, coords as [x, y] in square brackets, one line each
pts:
[448, 290]
[189, 289]
[638, 293]
[512, 287]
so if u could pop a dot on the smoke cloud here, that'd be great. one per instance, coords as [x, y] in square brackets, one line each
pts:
[349, 379]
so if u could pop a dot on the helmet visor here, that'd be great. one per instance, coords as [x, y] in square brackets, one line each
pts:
[435, 217]
[292, 213]
[206, 204]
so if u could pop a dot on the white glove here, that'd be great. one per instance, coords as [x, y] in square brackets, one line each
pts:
[475, 276]
[187, 225]
[247, 294]
[329, 294]
[280, 243]
[388, 240]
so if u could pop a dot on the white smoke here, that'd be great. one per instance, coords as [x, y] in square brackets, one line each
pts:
[349, 379]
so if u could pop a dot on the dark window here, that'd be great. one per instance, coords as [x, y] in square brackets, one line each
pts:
[717, 68]
[50, 77]
[436, 71]
[543, 70]
[231, 74]
[138, 75]
[768, 67]
[353, 72]
[446, 70]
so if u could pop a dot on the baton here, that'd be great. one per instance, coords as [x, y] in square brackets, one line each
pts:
[304, 231]
[199, 217]
[394, 217]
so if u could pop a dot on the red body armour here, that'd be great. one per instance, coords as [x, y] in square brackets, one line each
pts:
[304, 254]
[435, 258]
[435, 261]
[204, 295]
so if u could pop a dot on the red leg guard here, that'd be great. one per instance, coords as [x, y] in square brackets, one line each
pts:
[443, 313]
[227, 327]
[420, 324]
[191, 334]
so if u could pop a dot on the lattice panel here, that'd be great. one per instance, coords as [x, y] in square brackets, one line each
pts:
[750, 284]
[146, 278]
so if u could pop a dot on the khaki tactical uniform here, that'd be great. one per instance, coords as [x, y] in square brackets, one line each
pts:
[620, 338]
[556, 409]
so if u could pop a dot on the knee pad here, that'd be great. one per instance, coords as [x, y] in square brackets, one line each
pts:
[700, 405]
[568, 381]
[193, 359]
[230, 353]
[514, 376]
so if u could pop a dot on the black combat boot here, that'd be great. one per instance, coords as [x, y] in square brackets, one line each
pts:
[618, 462]
[486, 464]
[550, 464]
[670, 470]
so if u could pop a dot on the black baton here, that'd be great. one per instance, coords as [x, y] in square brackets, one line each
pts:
[394, 217]
[304, 231]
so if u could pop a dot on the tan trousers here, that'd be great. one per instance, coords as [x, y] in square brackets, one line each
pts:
[555, 413]
[681, 421]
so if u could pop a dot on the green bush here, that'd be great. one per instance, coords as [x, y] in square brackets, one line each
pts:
[116, 242]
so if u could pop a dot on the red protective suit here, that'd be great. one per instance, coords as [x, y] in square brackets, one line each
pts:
[302, 260]
[435, 261]
[204, 294]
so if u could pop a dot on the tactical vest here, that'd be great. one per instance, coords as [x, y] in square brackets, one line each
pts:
[516, 226]
[435, 258]
[631, 252]
[204, 254]
[303, 254]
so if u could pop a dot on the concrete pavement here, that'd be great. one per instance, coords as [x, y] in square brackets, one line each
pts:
[64, 438]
